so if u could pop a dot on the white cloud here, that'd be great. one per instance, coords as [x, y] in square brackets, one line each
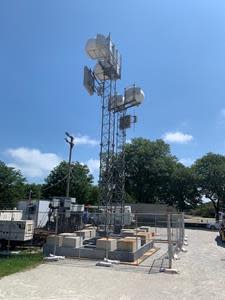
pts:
[85, 140]
[177, 137]
[187, 161]
[93, 165]
[32, 162]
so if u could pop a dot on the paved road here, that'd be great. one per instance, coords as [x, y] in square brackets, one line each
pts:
[202, 276]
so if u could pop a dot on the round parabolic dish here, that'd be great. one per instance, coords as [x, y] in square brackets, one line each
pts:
[99, 73]
[97, 48]
[116, 102]
[134, 95]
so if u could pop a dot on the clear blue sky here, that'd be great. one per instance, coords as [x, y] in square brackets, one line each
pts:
[175, 50]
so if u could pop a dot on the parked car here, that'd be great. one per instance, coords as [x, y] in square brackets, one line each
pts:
[214, 225]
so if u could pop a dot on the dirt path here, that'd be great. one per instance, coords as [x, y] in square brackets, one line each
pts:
[202, 276]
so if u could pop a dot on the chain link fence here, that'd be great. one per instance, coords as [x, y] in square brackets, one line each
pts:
[166, 229]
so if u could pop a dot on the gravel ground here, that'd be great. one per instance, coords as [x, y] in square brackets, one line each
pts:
[202, 276]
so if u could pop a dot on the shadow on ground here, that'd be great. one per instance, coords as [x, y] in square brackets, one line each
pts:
[158, 264]
[219, 242]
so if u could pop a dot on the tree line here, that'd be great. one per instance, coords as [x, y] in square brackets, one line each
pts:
[153, 175]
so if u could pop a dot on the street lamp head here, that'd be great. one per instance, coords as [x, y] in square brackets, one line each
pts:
[70, 137]
[71, 142]
[66, 133]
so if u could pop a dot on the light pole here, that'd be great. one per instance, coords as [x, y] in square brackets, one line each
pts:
[70, 141]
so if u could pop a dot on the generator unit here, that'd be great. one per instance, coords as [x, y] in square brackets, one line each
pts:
[67, 214]
[13, 229]
[36, 210]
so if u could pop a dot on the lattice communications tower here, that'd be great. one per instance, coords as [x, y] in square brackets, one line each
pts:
[102, 80]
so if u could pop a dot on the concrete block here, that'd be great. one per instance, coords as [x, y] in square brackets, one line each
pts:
[91, 227]
[72, 241]
[106, 244]
[127, 245]
[67, 234]
[123, 255]
[126, 229]
[128, 232]
[85, 233]
[54, 239]
[136, 239]
[92, 231]
[146, 228]
[145, 237]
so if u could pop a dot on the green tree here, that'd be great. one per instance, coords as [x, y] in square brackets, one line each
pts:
[34, 190]
[11, 186]
[205, 210]
[80, 182]
[93, 195]
[210, 170]
[183, 191]
[149, 166]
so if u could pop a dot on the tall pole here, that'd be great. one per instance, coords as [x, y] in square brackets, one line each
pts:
[70, 141]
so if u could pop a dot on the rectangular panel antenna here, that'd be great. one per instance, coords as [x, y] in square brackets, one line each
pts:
[89, 81]
[125, 122]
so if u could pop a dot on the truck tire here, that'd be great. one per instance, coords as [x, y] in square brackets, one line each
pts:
[3, 244]
[212, 227]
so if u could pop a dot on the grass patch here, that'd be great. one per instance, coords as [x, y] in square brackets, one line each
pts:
[20, 262]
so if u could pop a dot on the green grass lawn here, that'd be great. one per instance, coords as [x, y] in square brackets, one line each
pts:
[20, 262]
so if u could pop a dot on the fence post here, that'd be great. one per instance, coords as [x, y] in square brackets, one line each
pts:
[182, 228]
[136, 225]
[155, 226]
[177, 229]
[169, 240]
[56, 229]
[9, 233]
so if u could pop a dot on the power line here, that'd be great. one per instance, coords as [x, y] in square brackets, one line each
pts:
[49, 187]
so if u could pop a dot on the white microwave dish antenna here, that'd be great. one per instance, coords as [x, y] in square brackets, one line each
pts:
[116, 103]
[134, 96]
[100, 73]
[98, 47]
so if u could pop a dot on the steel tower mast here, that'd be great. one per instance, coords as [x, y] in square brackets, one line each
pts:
[114, 120]
[103, 81]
